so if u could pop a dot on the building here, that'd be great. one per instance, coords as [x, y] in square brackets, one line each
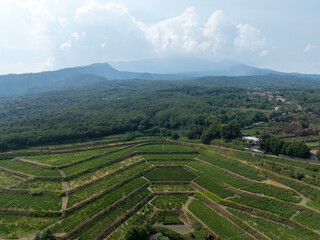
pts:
[251, 139]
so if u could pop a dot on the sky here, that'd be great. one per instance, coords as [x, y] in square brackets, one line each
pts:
[41, 35]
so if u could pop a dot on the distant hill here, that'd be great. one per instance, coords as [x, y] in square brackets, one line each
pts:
[197, 67]
[174, 68]
[16, 84]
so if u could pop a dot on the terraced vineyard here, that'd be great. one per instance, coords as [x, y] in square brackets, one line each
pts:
[101, 189]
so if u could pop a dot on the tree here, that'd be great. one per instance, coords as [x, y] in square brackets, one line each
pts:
[206, 136]
[159, 236]
[229, 131]
[174, 135]
[48, 235]
[136, 233]
[38, 236]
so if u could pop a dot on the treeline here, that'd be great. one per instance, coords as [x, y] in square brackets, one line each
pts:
[277, 146]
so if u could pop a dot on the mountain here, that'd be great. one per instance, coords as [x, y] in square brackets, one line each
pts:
[198, 67]
[170, 68]
[190, 66]
[15, 84]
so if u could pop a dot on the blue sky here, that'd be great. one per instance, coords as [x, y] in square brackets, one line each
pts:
[38, 35]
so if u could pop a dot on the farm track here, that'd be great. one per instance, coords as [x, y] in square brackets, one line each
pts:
[65, 198]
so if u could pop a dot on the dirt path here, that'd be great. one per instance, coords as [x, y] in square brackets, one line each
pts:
[65, 189]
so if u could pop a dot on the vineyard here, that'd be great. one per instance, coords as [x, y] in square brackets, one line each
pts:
[101, 189]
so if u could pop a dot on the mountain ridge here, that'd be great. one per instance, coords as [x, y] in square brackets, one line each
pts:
[18, 84]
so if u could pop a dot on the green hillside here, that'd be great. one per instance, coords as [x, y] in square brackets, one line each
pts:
[105, 189]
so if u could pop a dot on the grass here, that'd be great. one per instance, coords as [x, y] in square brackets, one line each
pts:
[282, 194]
[76, 182]
[163, 148]
[309, 220]
[7, 180]
[96, 206]
[306, 189]
[170, 201]
[170, 220]
[275, 230]
[74, 169]
[111, 177]
[170, 174]
[36, 184]
[27, 201]
[105, 183]
[65, 158]
[137, 219]
[169, 162]
[314, 204]
[232, 165]
[168, 156]
[28, 169]
[171, 187]
[219, 176]
[209, 184]
[220, 225]
[267, 204]
[13, 227]
[111, 216]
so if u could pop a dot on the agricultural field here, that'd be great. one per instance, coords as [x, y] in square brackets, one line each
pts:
[103, 189]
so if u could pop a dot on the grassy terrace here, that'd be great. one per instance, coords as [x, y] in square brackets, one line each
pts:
[170, 174]
[99, 193]
[65, 158]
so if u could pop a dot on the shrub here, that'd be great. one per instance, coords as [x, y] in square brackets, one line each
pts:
[136, 233]
[35, 192]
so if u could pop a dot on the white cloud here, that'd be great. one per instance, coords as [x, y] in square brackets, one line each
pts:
[264, 53]
[90, 5]
[248, 39]
[219, 36]
[75, 35]
[178, 33]
[65, 45]
[24, 42]
[64, 22]
[309, 47]
[43, 28]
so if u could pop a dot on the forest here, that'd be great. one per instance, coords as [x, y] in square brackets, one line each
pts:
[194, 109]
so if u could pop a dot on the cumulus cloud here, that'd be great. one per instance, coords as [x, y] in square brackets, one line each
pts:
[248, 38]
[50, 34]
[178, 33]
[309, 47]
[219, 35]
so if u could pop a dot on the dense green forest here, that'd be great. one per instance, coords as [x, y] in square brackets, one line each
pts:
[195, 109]
[90, 113]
